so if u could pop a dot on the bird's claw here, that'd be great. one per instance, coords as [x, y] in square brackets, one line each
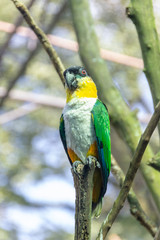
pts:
[98, 164]
[87, 165]
[75, 165]
[90, 159]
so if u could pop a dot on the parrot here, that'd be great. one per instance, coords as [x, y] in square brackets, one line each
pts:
[85, 130]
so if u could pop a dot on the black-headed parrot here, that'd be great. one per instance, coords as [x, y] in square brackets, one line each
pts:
[85, 129]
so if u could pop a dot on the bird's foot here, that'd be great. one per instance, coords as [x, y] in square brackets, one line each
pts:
[75, 166]
[90, 159]
[98, 164]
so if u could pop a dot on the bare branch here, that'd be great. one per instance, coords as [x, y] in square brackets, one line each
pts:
[17, 113]
[73, 46]
[41, 99]
[134, 165]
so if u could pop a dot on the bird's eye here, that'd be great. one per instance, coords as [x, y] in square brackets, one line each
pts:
[83, 72]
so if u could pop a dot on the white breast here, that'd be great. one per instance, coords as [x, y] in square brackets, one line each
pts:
[79, 129]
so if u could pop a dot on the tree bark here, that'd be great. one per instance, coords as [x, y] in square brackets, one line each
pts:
[83, 182]
[141, 13]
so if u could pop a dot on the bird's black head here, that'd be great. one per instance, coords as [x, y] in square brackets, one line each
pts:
[73, 75]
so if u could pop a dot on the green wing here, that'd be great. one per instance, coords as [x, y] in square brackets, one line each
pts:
[63, 136]
[101, 123]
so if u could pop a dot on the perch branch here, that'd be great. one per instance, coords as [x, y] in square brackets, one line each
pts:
[42, 38]
[134, 165]
[83, 181]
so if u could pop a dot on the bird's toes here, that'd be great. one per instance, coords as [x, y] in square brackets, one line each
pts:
[98, 164]
[90, 160]
[75, 166]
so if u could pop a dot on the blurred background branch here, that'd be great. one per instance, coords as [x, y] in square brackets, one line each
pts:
[73, 45]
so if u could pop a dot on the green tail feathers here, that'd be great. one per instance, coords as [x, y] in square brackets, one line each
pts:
[96, 209]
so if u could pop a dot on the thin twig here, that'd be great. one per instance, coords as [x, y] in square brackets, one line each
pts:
[134, 165]
[42, 37]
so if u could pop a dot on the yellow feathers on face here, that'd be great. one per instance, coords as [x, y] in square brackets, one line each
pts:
[86, 88]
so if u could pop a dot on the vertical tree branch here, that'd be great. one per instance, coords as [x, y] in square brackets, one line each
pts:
[134, 165]
[141, 13]
[124, 121]
[83, 182]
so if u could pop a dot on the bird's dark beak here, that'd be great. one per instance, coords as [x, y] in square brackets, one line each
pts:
[71, 80]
